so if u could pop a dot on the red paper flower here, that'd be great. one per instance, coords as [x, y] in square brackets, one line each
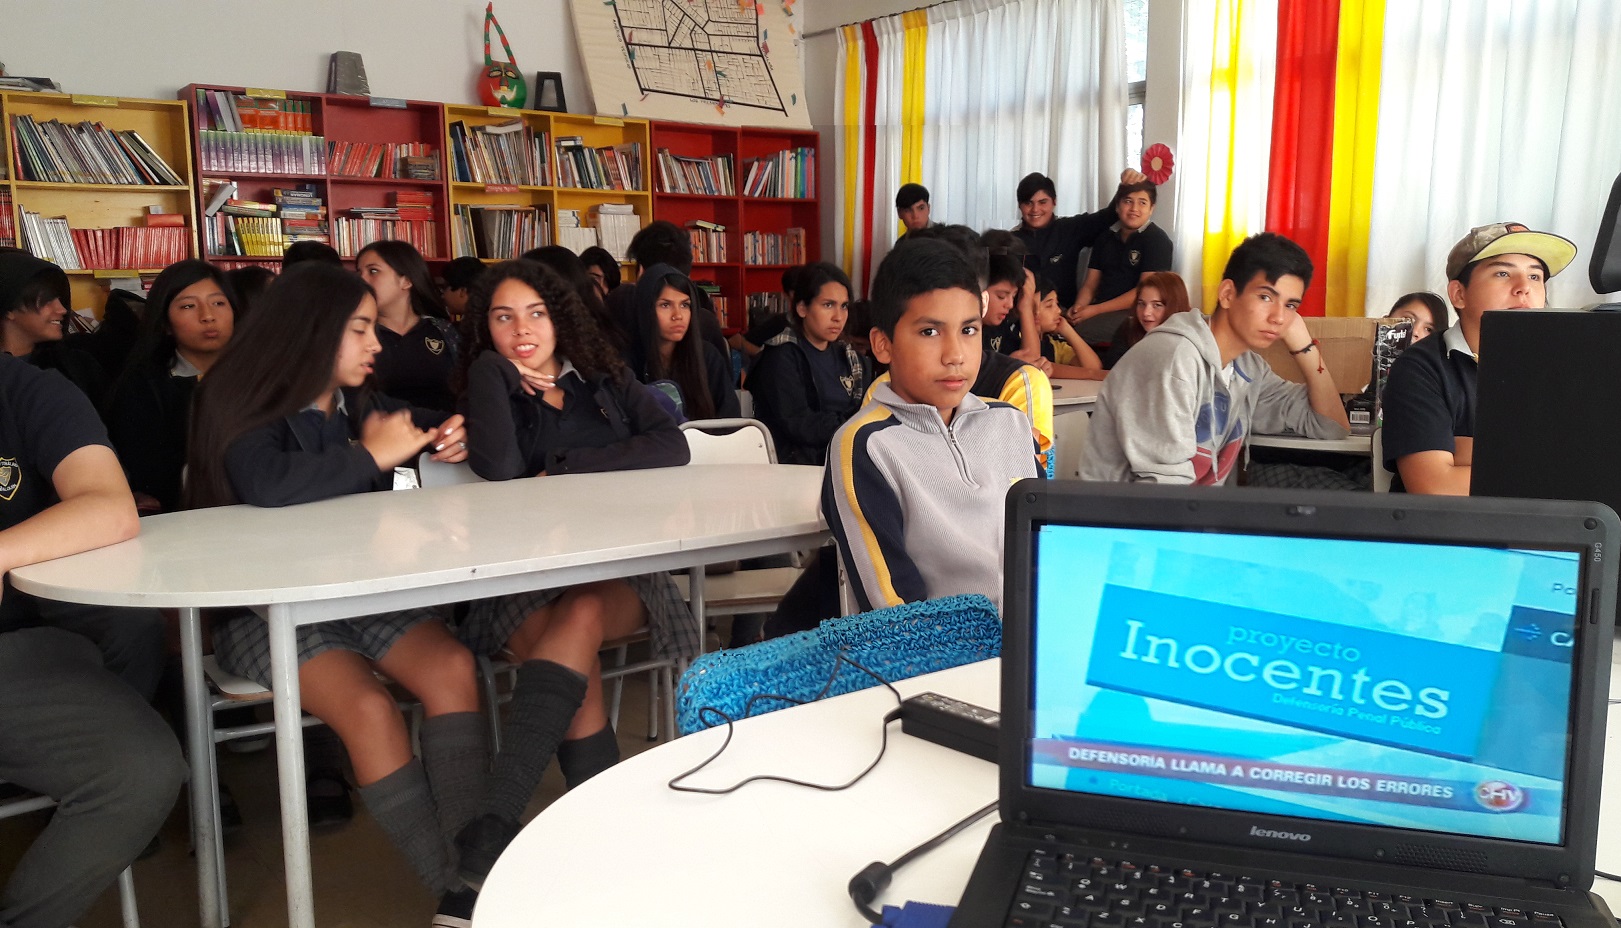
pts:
[1157, 162]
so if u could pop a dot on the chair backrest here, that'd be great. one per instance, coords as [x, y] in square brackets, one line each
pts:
[745, 404]
[895, 643]
[433, 473]
[1381, 477]
[729, 441]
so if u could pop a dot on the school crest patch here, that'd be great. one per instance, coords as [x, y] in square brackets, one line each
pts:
[1135, 257]
[11, 477]
[435, 345]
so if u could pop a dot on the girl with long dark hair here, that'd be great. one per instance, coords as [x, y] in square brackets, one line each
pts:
[666, 348]
[418, 339]
[546, 394]
[288, 415]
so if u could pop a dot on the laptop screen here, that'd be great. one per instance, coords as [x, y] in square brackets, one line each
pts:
[1414, 686]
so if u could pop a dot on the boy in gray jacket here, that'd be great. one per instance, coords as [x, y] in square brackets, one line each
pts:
[1178, 406]
[916, 482]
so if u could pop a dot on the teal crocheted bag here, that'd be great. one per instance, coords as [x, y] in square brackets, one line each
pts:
[896, 643]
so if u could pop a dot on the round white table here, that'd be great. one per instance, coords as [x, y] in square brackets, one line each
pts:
[1073, 401]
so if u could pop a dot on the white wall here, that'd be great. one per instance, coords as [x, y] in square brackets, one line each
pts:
[418, 49]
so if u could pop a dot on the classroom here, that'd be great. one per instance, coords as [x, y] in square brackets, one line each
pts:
[1052, 426]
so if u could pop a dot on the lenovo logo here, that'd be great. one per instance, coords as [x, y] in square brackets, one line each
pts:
[1258, 832]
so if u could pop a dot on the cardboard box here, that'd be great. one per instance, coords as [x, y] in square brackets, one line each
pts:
[1347, 347]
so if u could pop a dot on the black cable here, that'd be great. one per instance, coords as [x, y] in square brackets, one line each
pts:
[1608, 876]
[874, 877]
[748, 708]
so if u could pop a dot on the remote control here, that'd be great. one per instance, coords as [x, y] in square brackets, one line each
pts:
[953, 723]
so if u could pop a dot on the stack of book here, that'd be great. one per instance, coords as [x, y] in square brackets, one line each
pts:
[243, 227]
[617, 224]
[573, 234]
[415, 160]
[8, 229]
[762, 306]
[303, 217]
[365, 225]
[769, 248]
[612, 167]
[104, 249]
[226, 111]
[412, 205]
[499, 232]
[706, 176]
[789, 174]
[723, 309]
[87, 153]
[505, 153]
[708, 241]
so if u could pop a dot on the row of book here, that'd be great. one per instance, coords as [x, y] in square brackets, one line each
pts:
[411, 160]
[616, 224]
[500, 232]
[249, 236]
[509, 152]
[87, 153]
[790, 173]
[104, 249]
[261, 153]
[762, 306]
[611, 167]
[707, 176]
[708, 242]
[352, 233]
[771, 248]
[239, 112]
[722, 305]
[573, 234]
[8, 223]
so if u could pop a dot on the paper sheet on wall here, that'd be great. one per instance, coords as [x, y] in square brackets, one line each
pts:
[724, 62]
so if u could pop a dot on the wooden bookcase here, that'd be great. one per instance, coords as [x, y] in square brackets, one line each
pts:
[337, 118]
[164, 126]
[736, 277]
[594, 131]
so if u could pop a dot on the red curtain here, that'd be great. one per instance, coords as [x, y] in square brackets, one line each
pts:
[869, 47]
[1301, 175]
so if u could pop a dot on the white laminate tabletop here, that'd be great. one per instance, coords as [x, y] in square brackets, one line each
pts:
[1354, 444]
[1076, 392]
[374, 543]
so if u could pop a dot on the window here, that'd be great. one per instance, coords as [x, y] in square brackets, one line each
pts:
[1136, 77]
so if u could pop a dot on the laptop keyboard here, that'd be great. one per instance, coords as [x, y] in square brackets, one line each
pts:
[1060, 890]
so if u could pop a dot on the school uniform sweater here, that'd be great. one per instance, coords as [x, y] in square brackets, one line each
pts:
[607, 423]
[916, 505]
[311, 456]
[1169, 413]
[148, 417]
[803, 394]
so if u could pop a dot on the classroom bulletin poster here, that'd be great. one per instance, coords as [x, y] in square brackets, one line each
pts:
[719, 62]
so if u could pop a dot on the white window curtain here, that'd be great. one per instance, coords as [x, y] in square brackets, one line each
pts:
[1492, 110]
[1011, 87]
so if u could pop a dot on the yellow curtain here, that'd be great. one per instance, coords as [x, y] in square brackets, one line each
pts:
[916, 24]
[1356, 129]
[1241, 78]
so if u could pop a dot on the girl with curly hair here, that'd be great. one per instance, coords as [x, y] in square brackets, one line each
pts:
[546, 394]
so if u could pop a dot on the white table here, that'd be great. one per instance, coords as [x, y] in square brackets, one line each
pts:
[1354, 444]
[1073, 401]
[377, 552]
[782, 855]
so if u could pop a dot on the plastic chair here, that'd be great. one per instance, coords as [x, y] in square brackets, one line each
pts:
[729, 441]
[1381, 478]
[895, 643]
[126, 880]
[431, 473]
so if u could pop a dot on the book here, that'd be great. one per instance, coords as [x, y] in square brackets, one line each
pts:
[119, 248]
[789, 174]
[8, 225]
[770, 248]
[500, 231]
[86, 153]
[509, 152]
[381, 159]
[703, 176]
[611, 167]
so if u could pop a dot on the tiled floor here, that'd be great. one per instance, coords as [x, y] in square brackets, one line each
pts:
[360, 881]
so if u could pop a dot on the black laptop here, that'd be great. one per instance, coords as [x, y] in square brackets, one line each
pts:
[1234, 708]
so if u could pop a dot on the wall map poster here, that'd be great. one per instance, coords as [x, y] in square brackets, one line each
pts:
[725, 62]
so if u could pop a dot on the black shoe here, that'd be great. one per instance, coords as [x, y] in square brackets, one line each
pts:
[230, 819]
[480, 845]
[456, 909]
[327, 797]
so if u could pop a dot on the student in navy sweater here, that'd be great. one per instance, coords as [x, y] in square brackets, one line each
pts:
[288, 416]
[546, 394]
[666, 346]
[418, 339]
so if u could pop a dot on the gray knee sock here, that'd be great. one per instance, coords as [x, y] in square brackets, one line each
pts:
[584, 758]
[402, 804]
[456, 756]
[544, 701]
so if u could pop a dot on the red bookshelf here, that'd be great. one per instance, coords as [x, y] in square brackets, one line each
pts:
[324, 119]
[733, 207]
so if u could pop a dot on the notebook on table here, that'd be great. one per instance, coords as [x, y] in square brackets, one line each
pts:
[1267, 709]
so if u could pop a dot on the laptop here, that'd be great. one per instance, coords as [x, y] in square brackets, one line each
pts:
[1241, 708]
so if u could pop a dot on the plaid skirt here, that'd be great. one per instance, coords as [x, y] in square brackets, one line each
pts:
[490, 622]
[242, 642]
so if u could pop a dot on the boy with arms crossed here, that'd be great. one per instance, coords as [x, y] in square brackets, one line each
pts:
[1178, 406]
[916, 482]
